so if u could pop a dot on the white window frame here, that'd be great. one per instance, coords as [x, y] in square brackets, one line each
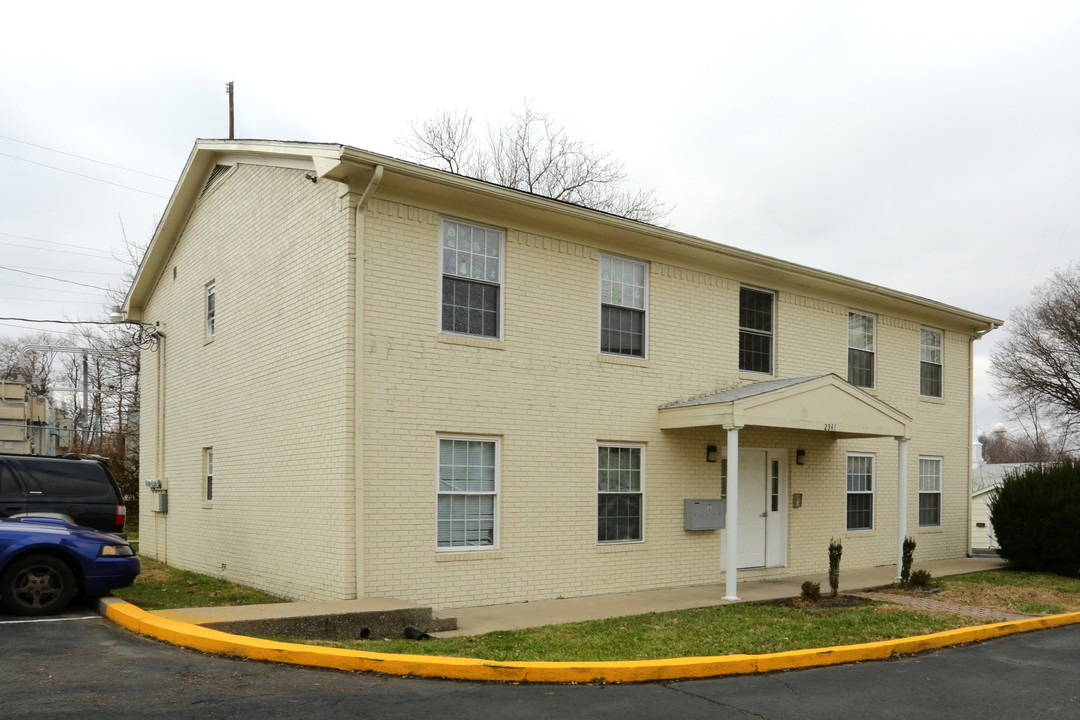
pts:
[494, 494]
[926, 483]
[210, 308]
[871, 492]
[443, 273]
[872, 350]
[208, 475]
[640, 492]
[644, 309]
[771, 333]
[940, 365]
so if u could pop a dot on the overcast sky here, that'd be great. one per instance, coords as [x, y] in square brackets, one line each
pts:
[931, 147]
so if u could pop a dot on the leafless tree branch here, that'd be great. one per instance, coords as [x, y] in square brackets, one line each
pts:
[533, 154]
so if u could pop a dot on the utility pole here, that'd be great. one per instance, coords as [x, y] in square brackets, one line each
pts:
[229, 92]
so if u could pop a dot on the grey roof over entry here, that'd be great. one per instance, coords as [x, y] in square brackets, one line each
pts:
[743, 392]
[825, 403]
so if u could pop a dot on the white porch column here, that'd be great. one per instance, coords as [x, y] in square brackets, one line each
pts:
[731, 521]
[901, 501]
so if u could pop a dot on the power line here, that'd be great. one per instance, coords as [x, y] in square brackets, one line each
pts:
[37, 300]
[53, 242]
[49, 277]
[80, 157]
[52, 290]
[45, 330]
[60, 322]
[56, 250]
[56, 269]
[88, 177]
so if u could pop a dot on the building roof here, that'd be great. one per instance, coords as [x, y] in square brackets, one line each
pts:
[442, 191]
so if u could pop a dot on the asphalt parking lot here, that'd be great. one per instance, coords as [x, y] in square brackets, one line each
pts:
[79, 665]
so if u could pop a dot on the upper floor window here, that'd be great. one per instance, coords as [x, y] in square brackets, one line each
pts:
[860, 354]
[623, 298]
[930, 351]
[755, 330]
[472, 271]
[211, 297]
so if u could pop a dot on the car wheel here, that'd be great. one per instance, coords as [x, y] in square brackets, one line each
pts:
[37, 585]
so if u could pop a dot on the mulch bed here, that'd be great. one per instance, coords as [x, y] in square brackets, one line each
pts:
[826, 601]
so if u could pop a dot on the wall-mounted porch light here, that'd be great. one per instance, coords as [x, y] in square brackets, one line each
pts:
[800, 457]
[710, 453]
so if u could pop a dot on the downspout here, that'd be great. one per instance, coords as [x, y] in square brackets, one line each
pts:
[970, 434]
[358, 374]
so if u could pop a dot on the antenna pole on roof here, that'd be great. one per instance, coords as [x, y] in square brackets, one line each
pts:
[229, 92]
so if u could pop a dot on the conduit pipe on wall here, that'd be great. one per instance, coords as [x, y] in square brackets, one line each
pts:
[358, 377]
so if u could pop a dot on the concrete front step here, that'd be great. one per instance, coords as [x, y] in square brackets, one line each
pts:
[334, 620]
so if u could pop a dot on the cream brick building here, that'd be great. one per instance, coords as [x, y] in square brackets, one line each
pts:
[375, 379]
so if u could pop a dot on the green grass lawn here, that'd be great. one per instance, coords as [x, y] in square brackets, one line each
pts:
[1017, 591]
[160, 587]
[741, 628]
[723, 630]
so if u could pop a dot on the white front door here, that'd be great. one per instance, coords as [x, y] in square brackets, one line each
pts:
[753, 507]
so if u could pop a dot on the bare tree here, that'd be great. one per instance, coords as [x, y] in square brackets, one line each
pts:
[1039, 362]
[534, 154]
[37, 366]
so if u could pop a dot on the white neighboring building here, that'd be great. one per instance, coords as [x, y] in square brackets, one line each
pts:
[984, 480]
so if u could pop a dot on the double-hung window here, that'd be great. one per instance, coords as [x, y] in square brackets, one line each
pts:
[211, 300]
[619, 481]
[623, 303]
[860, 492]
[860, 354]
[755, 330]
[467, 493]
[472, 274]
[930, 351]
[929, 492]
[208, 482]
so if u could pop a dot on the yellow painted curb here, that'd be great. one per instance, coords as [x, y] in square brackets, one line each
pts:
[221, 643]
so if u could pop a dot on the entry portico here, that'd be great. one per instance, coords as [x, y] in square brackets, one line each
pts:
[821, 403]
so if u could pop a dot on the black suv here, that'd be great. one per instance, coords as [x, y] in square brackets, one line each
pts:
[79, 487]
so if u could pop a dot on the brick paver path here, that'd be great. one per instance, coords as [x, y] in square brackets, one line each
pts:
[930, 605]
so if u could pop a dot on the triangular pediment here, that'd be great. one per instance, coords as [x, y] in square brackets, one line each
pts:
[819, 402]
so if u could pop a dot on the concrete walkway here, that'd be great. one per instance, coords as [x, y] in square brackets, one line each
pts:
[515, 616]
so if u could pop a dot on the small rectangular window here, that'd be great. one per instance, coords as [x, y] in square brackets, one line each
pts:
[929, 492]
[619, 481]
[471, 260]
[930, 357]
[623, 303]
[210, 301]
[208, 464]
[467, 493]
[755, 330]
[861, 348]
[860, 492]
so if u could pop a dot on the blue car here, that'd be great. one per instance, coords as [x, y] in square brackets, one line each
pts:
[47, 561]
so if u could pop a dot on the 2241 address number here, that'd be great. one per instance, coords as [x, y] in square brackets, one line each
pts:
[830, 427]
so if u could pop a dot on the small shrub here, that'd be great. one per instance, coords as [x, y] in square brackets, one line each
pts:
[811, 591]
[835, 551]
[905, 562]
[1036, 517]
[920, 578]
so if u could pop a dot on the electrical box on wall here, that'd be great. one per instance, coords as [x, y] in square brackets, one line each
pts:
[161, 502]
[704, 514]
